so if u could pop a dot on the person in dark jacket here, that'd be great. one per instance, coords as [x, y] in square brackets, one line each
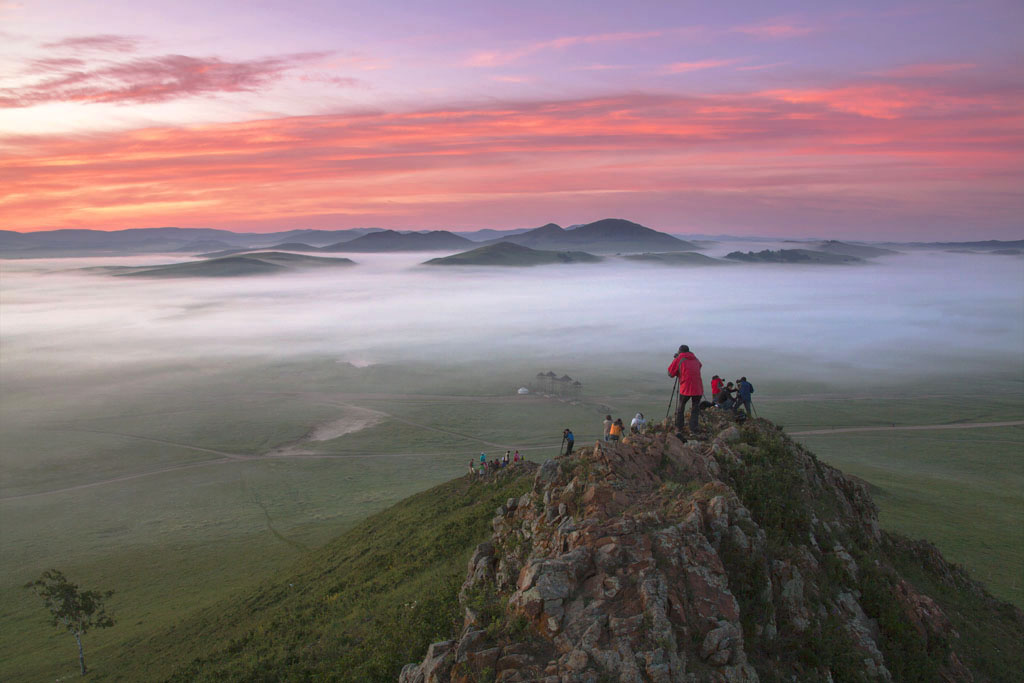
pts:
[686, 367]
[744, 389]
[569, 440]
[724, 399]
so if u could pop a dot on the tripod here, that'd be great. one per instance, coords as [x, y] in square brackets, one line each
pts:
[675, 393]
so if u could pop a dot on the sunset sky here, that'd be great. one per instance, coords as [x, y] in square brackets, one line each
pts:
[859, 120]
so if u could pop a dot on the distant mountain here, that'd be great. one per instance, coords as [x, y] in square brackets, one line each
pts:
[200, 246]
[508, 254]
[320, 238]
[391, 240]
[488, 234]
[805, 256]
[57, 243]
[847, 249]
[611, 235]
[70, 243]
[678, 258]
[981, 245]
[258, 263]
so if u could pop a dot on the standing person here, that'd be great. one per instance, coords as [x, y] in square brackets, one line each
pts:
[472, 470]
[569, 440]
[507, 457]
[615, 431]
[483, 459]
[686, 367]
[716, 386]
[744, 390]
[607, 426]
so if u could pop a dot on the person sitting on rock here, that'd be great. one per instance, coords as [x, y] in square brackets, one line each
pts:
[724, 399]
[638, 424]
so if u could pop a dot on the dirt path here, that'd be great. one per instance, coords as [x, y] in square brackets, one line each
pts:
[959, 425]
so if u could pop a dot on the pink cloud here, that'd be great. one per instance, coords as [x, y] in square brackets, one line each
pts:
[778, 29]
[102, 43]
[502, 57]
[928, 70]
[156, 79]
[686, 67]
[760, 67]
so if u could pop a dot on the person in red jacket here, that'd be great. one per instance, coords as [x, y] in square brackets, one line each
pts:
[716, 385]
[686, 367]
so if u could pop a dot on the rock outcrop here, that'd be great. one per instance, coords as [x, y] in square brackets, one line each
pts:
[740, 558]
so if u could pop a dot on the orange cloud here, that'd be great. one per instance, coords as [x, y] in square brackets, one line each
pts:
[916, 148]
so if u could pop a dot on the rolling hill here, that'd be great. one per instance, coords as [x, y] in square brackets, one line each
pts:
[738, 556]
[287, 246]
[800, 256]
[508, 254]
[848, 249]
[677, 258]
[256, 263]
[610, 235]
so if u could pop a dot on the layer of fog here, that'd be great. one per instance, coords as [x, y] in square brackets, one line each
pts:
[917, 311]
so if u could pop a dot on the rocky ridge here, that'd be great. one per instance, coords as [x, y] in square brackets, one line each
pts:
[736, 558]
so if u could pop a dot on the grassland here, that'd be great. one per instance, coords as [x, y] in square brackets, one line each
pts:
[157, 483]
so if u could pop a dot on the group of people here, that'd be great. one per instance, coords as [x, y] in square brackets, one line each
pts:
[486, 465]
[686, 368]
[727, 396]
[613, 429]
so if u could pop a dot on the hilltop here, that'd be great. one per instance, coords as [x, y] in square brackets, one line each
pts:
[739, 557]
[610, 235]
[255, 263]
[677, 258]
[848, 249]
[508, 254]
[807, 256]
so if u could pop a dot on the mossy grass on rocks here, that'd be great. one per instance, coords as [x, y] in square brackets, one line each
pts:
[739, 557]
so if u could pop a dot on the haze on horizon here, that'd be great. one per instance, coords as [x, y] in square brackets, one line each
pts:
[895, 317]
[897, 121]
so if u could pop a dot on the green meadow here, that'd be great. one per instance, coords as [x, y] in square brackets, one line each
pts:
[183, 486]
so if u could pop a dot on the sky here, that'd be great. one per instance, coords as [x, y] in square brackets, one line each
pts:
[866, 120]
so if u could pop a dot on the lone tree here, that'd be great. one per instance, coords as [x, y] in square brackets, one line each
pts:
[77, 611]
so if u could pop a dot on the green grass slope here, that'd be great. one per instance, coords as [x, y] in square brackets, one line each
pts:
[357, 609]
